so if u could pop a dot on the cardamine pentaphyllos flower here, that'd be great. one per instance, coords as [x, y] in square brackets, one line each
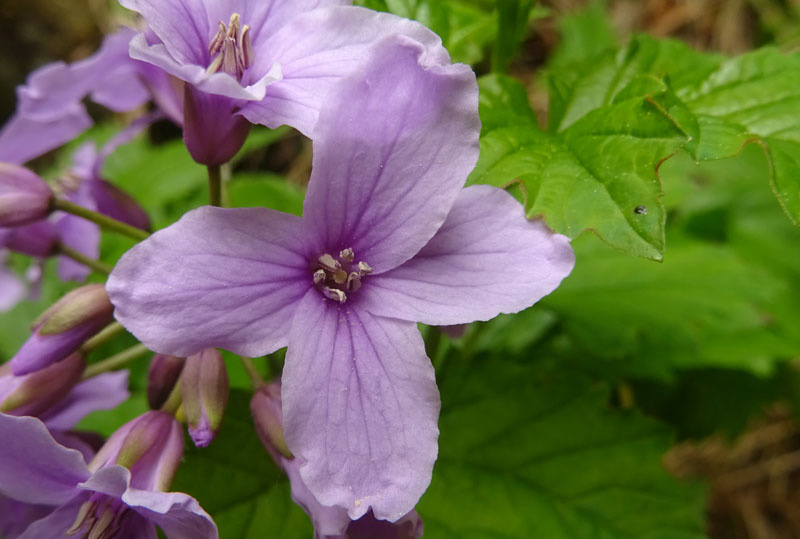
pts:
[269, 62]
[49, 109]
[204, 389]
[389, 237]
[63, 328]
[122, 491]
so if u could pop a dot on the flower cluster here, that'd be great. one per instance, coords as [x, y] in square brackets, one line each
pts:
[389, 238]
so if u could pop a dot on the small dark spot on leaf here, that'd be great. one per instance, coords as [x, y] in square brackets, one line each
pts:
[640, 210]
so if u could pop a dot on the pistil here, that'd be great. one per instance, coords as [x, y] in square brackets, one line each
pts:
[231, 48]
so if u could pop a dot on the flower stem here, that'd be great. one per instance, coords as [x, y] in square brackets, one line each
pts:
[102, 220]
[96, 265]
[252, 372]
[214, 185]
[114, 362]
[174, 401]
[105, 335]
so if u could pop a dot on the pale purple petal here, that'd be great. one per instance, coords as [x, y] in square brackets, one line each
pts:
[103, 392]
[34, 468]
[486, 259]
[392, 150]
[56, 523]
[318, 48]
[327, 520]
[360, 407]
[182, 25]
[16, 516]
[49, 89]
[12, 289]
[83, 236]
[219, 83]
[228, 278]
[24, 138]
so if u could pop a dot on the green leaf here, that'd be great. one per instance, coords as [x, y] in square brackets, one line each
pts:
[600, 173]
[503, 102]
[526, 455]
[512, 24]
[584, 35]
[252, 189]
[237, 483]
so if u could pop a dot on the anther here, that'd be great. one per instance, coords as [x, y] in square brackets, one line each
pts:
[85, 516]
[340, 276]
[334, 294]
[231, 48]
[353, 282]
[328, 262]
[364, 269]
[319, 276]
[347, 254]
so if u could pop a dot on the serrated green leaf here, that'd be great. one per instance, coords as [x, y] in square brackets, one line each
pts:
[599, 174]
[237, 483]
[525, 455]
[503, 102]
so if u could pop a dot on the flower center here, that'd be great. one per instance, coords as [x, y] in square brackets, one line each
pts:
[99, 518]
[336, 277]
[231, 49]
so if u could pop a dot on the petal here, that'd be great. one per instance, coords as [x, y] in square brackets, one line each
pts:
[486, 259]
[24, 138]
[16, 516]
[103, 392]
[214, 83]
[360, 407]
[178, 514]
[228, 278]
[12, 290]
[56, 523]
[182, 25]
[393, 147]
[318, 48]
[84, 237]
[34, 468]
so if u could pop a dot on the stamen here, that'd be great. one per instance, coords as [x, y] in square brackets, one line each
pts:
[328, 262]
[353, 282]
[334, 294]
[340, 276]
[85, 516]
[364, 268]
[347, 254]
[231, 48]
[319, 276]
[101, 529]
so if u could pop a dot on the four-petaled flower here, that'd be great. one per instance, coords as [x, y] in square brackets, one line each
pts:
[389, 237]
[270, 62]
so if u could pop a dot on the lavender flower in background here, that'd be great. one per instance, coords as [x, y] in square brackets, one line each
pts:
[49, 110]
[163, 374]
[388, 238]
[63, 328]
[269, 62]
[24, 196]
[12, 288]
[120, 493]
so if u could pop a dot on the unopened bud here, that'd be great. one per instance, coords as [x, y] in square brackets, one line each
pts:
[266, 409]
[117, 204]
[162, 377]
[64, 327]
[24, 196]
[150, 446]
[204, 388]
[35, 393]
[39, 239]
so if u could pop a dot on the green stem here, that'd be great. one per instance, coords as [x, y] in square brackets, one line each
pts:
[174, 401]
[77, 256]
[252, 372]
[214, 185]
[115, 362]
[102, 220]
[105, 335]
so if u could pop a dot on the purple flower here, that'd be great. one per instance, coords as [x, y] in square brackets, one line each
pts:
[269, 62]
[50, 113]
[163, 374]
[12, 289]
[120, 493]
[204, 388]
[63, 328]
[388, 238]
[24, 196]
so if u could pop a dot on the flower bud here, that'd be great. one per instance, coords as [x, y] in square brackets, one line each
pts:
[204, 388]
[39, 239]
[117, 204]
[64, 327]
[24, 196]
[266, 409]
[150, 446]
[33, 394]
[162, 377]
